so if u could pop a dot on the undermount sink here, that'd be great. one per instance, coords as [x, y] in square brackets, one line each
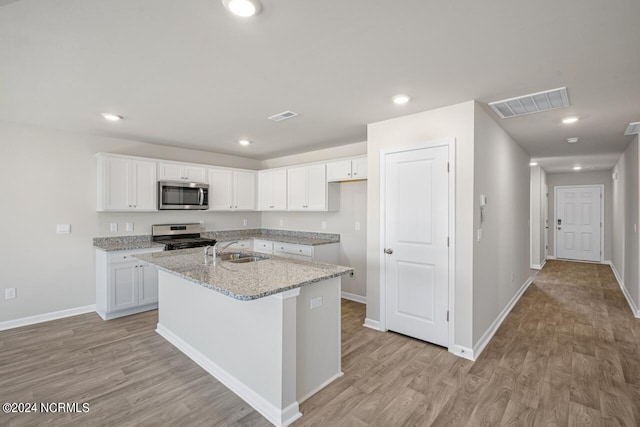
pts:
[239, 257]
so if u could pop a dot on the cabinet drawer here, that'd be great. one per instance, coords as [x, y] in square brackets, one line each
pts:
[242, 244]
[127, 256]
[291, 248]
[263, 246]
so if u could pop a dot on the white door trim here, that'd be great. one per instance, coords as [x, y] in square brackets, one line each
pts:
[451, 143]
[555, 216]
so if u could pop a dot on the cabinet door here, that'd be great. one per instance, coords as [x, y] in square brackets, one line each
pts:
[123, 287]
[143, 185]
[263, 246]
[195, 174]
[170, 172]
[316, 188]
[359, 168]
[244, 188]
[147, 284]
[297, 188]
[265, 191]
[339, 171]
[220, 189]
[279, 190]
[116, 184]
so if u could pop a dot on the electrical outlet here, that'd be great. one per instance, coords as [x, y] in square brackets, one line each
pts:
[244, 221]
[202, 225]
[63, 228]
[10, 293]
[479, 236]
[282, 223]
[129, 226]
[357, 225]
[323, 225]
[316, 302]
[113, 227]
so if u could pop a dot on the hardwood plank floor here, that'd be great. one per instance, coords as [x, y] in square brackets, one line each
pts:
[567, 355]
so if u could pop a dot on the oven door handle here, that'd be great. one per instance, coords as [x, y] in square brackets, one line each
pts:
[201, 196]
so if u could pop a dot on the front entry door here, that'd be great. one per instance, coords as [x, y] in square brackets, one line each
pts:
[416, 232]
[578, 223]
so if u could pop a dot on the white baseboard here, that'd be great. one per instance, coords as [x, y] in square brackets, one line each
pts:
[491, 331]
[320, 387]
[46, 317]
[538, 266]
[551, 257]
[278, 417]
[464, 352]
[353, 297]
[122, 313]
[372, 324]
[632, 304]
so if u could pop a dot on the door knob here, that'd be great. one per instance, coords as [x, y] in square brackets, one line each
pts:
[388, 251]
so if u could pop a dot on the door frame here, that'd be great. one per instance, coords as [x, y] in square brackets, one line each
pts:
[451, 144]
[555, 218]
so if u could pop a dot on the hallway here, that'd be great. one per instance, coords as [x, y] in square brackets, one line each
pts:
[567, 355]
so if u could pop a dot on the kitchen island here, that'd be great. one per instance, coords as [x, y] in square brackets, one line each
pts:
[269, 329]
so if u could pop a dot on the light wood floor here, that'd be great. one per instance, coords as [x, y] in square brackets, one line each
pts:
[567, 355]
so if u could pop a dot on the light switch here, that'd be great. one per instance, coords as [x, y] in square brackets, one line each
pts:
[281, 222]
[357, 225]
[323, 225]
[316, 302]
[63, 228]
[113, 227]
[129, 226]
[244, 221]
[479, 237]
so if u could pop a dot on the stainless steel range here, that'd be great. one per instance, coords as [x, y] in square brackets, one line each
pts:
[179, 236]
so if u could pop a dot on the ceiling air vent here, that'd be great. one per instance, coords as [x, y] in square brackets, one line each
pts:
[282, 116]
[532, 103]
[633, 129]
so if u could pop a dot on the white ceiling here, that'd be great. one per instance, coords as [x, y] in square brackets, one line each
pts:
[186, 73]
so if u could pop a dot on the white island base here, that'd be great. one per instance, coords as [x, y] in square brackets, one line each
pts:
[274, 352]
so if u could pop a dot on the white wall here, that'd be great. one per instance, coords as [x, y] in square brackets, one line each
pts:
[626, 189]
[501, 257]
[49, 178]
[457, 122]
[583, 178]
[538, 215]
[353, 207]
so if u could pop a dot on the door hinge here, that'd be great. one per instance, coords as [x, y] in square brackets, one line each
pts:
[447, 315]
[447, 166]
[447, 241]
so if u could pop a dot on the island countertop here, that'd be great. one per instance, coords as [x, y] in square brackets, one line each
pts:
[243, 281]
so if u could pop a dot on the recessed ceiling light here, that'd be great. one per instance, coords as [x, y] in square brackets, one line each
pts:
[111, 117]
[244, 142]
[533, 163]
[577, 168]
[570, 120]
[572, 140]
[242, 8]
[401, 99]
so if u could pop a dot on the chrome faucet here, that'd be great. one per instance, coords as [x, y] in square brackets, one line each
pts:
[216, 253]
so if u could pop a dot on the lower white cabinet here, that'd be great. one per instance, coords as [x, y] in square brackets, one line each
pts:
[263, 246]
[240, 244]
[328, 253]
[125, 285]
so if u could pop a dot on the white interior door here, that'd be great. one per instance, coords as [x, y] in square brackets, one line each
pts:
[416, 234]
[545, 213]
[578, 223]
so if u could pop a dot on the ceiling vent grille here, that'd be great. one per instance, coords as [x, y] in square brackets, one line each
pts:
[532, 103]
[282, 116]
[633, 129]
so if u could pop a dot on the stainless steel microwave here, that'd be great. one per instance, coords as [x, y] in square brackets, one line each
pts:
[177, 195]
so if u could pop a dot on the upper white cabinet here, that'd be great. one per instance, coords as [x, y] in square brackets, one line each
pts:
[181, 172]
[126, 184]
[272, 190]
[346, 170]
[232, 190]
[307, 189]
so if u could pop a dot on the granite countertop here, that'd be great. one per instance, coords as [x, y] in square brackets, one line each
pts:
[129, 243]
[284, 236]
[243, 281]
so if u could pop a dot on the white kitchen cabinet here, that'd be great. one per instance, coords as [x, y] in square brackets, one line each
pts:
[126, 184]
[327, 253]
[181, 172]
[263, 246]
[239, 245]
[125, 285]
[347, 170]
[307, 189]
[272, 190]
[231, 190]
